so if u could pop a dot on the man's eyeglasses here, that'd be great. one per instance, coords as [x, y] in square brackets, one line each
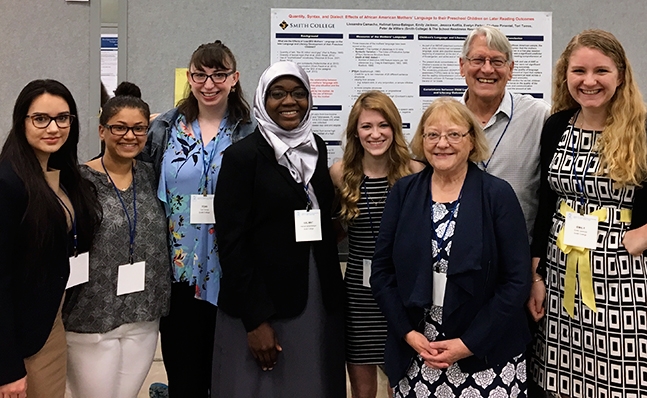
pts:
[216, 77]
[453, 138]
[42, 120]
[479, 62]
[121, 130]
[296, 94]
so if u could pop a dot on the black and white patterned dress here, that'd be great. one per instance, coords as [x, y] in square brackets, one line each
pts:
[365, 324]
[423, 381]
[599, 354]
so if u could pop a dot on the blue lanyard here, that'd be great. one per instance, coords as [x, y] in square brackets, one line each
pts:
[308, 200]
[132, 226]
[439, 240]
[306, 186]
[73, 218]
[206, 161]
[579, 183]
[485, 165]
[368, 208]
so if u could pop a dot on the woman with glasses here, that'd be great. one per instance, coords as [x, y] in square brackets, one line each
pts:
[112, 321]
[48, 213]
[375, 156]
[451, 270]
[185, 145]
[280, 316]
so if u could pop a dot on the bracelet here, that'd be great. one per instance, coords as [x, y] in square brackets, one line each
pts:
[540, 279]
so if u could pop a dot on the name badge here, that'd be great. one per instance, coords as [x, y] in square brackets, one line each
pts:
[581, 231]
[202, 210]
[131, 278]
[366, 272]
[79, 270]
[307, 225]
[440, 282]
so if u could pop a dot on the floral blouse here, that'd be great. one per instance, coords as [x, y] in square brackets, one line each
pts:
[188, 167]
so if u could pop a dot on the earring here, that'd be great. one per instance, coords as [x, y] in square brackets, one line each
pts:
[233, 89]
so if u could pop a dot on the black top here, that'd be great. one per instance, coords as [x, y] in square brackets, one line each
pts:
[28, 304]
[264, 269]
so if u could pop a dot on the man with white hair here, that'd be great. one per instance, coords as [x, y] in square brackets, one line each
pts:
[512, 123]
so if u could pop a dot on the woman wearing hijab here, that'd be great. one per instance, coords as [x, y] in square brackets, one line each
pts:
[280, 314]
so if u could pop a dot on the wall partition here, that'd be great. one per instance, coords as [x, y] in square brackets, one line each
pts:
[52, 39]
[61, 39]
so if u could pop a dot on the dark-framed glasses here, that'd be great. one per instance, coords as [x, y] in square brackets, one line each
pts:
[42, 120]
[216, 77]
[478, 62]
[121, 130]
[297, 94]
[453, 137]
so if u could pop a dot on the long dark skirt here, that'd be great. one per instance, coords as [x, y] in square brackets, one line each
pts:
[310, 365]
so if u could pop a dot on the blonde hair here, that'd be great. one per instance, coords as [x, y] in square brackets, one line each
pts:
[449, 108]
[623, 144]
[353, 170]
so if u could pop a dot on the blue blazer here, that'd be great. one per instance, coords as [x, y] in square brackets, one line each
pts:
[488, 276]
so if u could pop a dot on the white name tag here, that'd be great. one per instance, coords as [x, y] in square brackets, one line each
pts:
[366, 272]
[202, 210]
[440, 282]
[79, 270]
[131, 278]
[581, 231]
[307, 225]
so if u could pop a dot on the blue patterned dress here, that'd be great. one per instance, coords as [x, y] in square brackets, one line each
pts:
[422, 381]
[188, 167]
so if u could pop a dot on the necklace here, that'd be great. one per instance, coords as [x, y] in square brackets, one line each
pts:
[369, 200]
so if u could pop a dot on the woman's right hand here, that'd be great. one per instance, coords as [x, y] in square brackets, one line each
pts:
[536, 300]
[16, 389]
[537, 293]
[419, 342]
[264, 345]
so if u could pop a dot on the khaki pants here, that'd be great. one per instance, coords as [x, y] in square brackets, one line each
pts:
[46, 370]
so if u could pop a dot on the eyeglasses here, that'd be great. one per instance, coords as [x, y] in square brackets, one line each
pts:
[453, 138]
[296, 94]
[495, 62]
[121, 130]
[216, 77]
[42, 121]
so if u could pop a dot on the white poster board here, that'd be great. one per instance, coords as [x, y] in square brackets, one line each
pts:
[109, 44]
[410, 55]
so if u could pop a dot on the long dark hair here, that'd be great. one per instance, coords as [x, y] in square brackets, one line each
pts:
[44, 217]
[218, 56]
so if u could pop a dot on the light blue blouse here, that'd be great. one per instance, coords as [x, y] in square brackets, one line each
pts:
[189, 167]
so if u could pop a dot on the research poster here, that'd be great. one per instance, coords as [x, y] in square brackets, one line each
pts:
[410, 55]
[109, 47]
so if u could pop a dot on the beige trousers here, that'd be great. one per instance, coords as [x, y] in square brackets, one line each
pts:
[46, 370]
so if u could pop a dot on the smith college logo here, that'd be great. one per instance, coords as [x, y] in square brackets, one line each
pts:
[283, 25]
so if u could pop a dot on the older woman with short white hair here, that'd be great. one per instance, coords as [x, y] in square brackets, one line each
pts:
[451, 270]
